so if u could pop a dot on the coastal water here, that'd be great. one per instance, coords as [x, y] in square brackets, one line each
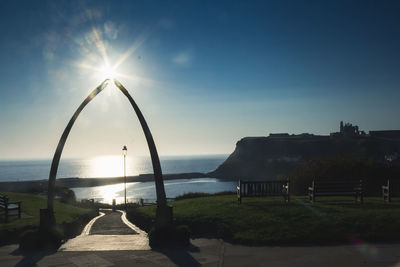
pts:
[108, 166]
[112, 166]
[146, 190]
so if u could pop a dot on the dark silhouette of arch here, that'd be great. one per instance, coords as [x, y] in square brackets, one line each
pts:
[164, 213]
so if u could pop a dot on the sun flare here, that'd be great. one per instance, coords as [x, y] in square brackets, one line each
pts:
[108, 72]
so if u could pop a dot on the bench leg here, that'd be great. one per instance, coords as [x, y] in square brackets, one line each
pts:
[19, 211]
[239, 199]
[312, 197]
[359, 198]
[6, 215]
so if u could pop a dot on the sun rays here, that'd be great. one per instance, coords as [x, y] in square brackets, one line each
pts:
[95, 57]
[139, 41]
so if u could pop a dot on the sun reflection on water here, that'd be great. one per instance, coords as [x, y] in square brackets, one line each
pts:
[108, 193]
[110, 166]
[105, 194]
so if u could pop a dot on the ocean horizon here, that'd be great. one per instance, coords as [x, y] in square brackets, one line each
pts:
[106, 166]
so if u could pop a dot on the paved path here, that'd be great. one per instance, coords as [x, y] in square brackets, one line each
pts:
[212, 252]
[123, 244]
[111, 224]
[109, 231]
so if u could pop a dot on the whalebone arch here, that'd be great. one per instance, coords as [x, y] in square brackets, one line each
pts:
[161, 198]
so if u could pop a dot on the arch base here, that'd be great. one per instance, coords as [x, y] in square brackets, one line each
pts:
[164, 215]
[47, 220]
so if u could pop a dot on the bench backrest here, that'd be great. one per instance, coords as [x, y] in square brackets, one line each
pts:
[3, 201]
[337, 186]
[262, 188]
[394, 186]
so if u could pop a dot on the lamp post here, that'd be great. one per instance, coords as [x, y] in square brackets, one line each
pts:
[163, 212]
[125, 151]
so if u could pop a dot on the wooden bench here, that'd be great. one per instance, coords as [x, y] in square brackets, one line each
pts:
[263, 188]
[336, 188]
[391, 189]
[7, 206]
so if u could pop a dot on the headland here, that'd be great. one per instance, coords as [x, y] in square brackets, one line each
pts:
[41, 185]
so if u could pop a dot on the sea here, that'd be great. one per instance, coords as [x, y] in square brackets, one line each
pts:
[113, 166]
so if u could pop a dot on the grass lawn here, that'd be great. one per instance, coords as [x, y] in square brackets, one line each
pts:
[270, 221]
[30, 207]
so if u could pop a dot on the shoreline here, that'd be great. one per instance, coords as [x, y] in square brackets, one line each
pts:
[41, 185]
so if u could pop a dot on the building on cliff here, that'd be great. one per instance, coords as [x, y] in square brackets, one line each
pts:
[345, 130]
[279, 135]
[348, 130]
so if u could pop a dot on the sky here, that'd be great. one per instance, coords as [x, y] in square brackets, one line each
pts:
[204, 73]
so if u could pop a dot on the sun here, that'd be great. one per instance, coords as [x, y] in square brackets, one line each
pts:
[108, 72]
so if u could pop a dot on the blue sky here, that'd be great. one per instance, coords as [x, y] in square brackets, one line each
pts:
[204, 73]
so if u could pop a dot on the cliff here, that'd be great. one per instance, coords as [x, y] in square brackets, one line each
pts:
[270, 157]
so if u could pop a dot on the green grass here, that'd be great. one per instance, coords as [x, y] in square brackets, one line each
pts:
[30, 207]
[270, 221]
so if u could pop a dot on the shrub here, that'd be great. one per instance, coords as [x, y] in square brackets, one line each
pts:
[13, 235]
[74, 228]
[170, 235]
[65, 194]
[35, 240]
[142, 220]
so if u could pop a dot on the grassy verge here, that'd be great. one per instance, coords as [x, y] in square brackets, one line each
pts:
[269, 221]
[66, 215]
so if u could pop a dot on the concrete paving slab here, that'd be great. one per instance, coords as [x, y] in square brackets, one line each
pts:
[345, 255]
[223, 254]
[90, 260]
[106, 242]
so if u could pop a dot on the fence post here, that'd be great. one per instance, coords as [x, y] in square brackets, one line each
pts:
[239, 192]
